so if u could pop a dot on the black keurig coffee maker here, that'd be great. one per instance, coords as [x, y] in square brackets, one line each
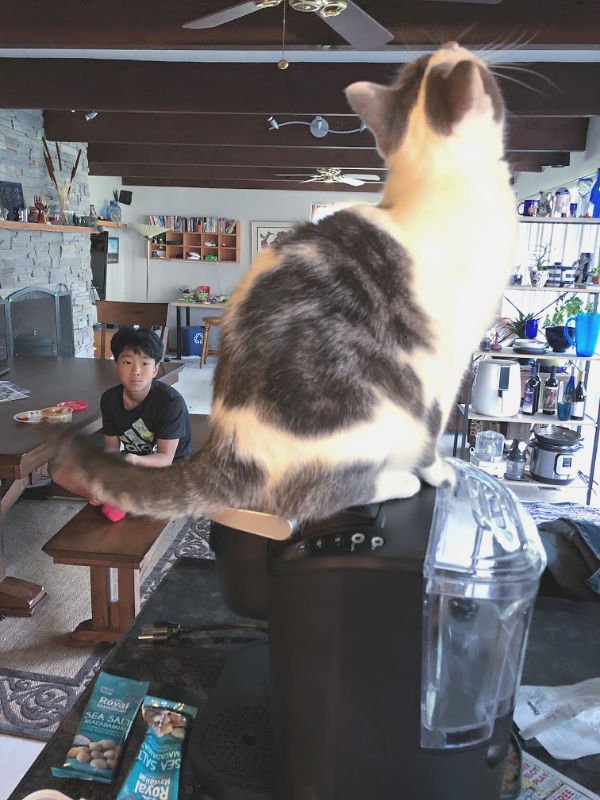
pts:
[396, 639]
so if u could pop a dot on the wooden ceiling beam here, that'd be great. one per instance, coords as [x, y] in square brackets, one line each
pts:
[242, 88]
[535, 162]
[219, 172]
[524, 133]
[105, 157]
[247, 185]
[69, 23]
[216, 171]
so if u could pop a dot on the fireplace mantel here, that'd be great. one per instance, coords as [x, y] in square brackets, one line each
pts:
[45, 228]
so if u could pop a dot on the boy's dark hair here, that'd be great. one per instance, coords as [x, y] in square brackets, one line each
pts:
[142, 341]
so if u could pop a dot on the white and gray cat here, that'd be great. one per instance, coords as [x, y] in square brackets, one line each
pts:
[344, 346]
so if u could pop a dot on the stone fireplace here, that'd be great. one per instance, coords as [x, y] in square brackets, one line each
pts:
[39, 322]
[50, 261]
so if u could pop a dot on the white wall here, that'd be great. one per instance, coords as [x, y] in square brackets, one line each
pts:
[127, 281]
[528, 184]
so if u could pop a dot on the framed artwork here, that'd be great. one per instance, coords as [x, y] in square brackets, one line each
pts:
[113, 250]
[264, 234]
[11, 195]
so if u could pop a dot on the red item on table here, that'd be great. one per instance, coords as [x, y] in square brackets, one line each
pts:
[76, 405]
[113, 513]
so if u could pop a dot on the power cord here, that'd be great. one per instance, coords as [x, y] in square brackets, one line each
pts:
[163, 631]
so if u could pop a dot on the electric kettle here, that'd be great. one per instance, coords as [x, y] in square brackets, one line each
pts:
[497, 388]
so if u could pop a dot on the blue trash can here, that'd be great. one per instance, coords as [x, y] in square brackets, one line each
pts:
[192, 339]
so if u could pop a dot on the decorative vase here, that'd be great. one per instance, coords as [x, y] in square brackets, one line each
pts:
[63, 191]
[538, 277]
[531, 328]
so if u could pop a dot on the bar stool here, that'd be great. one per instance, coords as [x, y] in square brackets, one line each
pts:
[209, 322]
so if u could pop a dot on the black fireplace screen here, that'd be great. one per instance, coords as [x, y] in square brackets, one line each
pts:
[40, 323]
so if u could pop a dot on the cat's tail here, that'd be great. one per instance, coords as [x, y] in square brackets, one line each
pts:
[205, 484]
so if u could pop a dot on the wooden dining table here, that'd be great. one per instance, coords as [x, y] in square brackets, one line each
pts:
[25, 449]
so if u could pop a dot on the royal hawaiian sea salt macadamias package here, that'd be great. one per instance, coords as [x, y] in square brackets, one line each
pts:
[103, 729]
[154, 775]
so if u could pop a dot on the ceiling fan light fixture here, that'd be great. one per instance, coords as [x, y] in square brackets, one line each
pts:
[319, 127]
[332, 8]
[307, 6]
[267, 3]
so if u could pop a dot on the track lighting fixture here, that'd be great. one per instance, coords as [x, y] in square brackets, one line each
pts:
[319, 127]
[90, 115]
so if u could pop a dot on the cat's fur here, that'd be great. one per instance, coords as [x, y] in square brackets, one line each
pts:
[343, 347]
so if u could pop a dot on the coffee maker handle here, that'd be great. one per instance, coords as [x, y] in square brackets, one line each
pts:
[568, 336]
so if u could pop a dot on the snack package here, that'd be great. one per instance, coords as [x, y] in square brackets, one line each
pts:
[103, 729]
[155, 771]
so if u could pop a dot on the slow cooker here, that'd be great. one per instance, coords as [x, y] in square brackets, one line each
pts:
[553, 454]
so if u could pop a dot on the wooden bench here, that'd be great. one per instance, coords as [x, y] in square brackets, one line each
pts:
[90, 540]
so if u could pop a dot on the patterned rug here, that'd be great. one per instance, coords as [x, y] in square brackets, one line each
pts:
[32, 705]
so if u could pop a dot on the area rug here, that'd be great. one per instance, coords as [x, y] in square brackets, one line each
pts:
[33, 703]
[40, 676]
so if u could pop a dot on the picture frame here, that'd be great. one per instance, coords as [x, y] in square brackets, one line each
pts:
[266, 233]
[112, 256]
[11, 195]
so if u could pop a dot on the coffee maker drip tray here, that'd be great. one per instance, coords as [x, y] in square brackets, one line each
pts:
[230, 749]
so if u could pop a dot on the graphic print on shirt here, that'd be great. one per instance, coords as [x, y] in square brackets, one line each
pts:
[138, 439]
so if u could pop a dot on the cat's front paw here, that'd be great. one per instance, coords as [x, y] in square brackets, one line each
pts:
[440, 473]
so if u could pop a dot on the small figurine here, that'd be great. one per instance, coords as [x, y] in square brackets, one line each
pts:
[544, 205]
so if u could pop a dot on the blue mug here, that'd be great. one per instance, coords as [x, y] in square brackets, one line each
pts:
[531, 328]
[529, 208]
[587, 330]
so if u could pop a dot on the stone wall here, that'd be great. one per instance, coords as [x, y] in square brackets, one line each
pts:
[45, 258]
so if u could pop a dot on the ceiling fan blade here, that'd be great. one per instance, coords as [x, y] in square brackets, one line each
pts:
[221, 17]
[312, 180]
[350, 181]
[358, 176]
[358, 28]
[478, 2]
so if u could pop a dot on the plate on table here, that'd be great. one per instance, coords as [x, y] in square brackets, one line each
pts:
[75, 405]
[32, 417]
[530, 347]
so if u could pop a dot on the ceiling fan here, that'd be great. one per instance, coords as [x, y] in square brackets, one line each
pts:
[332, 175]
[344, 16]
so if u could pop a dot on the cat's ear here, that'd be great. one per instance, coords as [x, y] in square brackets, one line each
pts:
[466, 88]
[373, 104]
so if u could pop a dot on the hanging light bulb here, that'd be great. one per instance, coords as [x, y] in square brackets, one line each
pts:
[283, 63]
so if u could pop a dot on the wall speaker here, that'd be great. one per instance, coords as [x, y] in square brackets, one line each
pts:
[125, 197]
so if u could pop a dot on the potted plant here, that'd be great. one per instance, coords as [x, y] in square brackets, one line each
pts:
[554, 323]
[518, 325]
[538, 271]
[595, 273]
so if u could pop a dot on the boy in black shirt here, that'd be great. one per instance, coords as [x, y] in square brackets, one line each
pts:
[146, 419]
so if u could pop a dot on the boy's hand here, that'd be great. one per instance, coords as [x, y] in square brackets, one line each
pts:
[132, 458]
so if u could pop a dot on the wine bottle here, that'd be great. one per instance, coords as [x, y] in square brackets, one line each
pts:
[531, 394]
[569, 388]
[550, 393]
[579, 397]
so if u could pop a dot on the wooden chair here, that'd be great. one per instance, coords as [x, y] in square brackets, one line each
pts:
[147, 315]
[209, 322]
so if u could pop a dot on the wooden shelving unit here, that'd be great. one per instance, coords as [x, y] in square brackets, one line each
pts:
[181, 246]
[45, 227]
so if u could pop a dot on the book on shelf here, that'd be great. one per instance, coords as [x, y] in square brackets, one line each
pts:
[180, 224]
